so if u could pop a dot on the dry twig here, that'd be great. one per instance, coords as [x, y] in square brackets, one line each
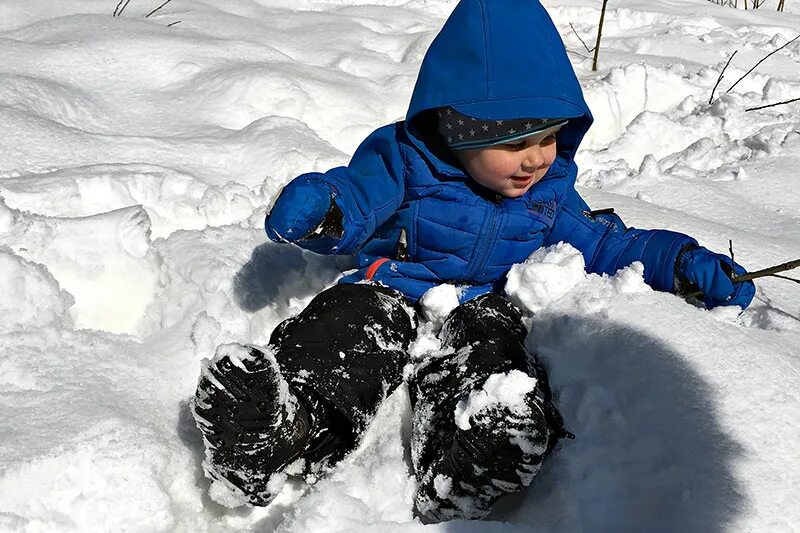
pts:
[762, 60]
[771, 271]
[599, 34]
[156, 9]
[772, 105]
[721, 74]
[579, 38]
[119, 13]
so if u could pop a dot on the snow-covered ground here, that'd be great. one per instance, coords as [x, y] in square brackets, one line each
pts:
[137, 160]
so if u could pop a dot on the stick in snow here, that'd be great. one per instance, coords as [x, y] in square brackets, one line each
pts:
[579, 38]
[156, 9]
[771, 271]
[721, 74]
[599, 35]
[772, 105]
[762, 60]
[123, 7]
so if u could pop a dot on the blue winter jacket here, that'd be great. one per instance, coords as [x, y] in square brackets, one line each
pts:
[493, 59]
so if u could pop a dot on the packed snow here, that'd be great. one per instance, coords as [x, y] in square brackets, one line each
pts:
[139, 156]
[504, 390]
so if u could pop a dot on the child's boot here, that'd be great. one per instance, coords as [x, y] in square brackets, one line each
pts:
[493, 449]
[483, 415]
[253, 425]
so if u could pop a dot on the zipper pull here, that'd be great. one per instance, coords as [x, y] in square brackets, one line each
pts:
[402, 246]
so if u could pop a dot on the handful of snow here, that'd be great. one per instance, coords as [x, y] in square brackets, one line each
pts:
[438, 302]
[500, 390]
[547, 275]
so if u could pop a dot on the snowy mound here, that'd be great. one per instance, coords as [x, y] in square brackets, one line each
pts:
[139, 155]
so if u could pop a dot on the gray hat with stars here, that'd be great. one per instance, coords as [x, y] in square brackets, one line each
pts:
[461, 132]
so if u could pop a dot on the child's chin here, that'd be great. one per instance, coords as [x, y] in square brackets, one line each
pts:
[515, 192]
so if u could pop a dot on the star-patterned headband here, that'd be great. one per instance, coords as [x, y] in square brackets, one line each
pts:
[461, 132]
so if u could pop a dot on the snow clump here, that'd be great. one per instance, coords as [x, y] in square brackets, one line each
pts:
[500, 390]
[547, 275]
[438, 302]
[32, 296]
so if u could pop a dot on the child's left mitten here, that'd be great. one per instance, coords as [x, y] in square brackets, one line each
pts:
[711, 273]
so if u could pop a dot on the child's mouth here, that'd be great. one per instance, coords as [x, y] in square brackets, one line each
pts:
[522, 179]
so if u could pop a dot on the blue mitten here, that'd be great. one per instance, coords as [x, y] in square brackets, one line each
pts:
[711, 274]
[301, 208]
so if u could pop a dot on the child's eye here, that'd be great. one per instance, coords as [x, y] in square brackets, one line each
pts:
[550, 139]
[515, 145]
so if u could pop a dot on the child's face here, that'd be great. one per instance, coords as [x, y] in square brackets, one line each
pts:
[511, 169]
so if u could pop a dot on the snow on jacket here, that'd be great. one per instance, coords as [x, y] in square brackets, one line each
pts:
[493, 59]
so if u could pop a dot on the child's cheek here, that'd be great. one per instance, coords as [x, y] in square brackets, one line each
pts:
[502, 168]
[552, 153]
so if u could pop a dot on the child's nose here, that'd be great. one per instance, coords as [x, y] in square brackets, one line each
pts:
[533, 158]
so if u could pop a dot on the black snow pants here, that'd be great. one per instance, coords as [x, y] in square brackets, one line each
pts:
[346, 352]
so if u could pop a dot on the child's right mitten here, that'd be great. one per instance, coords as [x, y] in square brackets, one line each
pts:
[305, 214]
[711, 273]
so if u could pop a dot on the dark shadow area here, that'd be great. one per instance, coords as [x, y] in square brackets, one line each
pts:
[649, 450]
[763, 318]
[276, 273]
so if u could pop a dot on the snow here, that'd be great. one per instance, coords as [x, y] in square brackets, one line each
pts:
[137, 162]
[547, 275]
[504, 390]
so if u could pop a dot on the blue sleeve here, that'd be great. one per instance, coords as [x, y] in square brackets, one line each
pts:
[369, 189]
[607, 245]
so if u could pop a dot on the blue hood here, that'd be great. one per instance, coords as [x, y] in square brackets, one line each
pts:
[497, 59]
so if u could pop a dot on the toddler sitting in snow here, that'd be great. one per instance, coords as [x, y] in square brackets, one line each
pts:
[478, 176]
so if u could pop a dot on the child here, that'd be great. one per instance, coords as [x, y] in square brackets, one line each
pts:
[478, 176]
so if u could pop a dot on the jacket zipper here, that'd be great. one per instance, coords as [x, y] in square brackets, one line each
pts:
[486, 239]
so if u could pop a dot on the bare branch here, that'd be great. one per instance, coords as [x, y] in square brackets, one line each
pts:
[762, 60]
[599, 35]
[578, 54]
[786, 278]
[156, 9]
[768, 271]
[117, 8]
[772, 105]
[721, 74]
[173, 23]
[771, 271]
[730, 247]
[123, 7]
[579, 38]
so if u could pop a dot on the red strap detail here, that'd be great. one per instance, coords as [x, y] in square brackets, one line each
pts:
[374, 268]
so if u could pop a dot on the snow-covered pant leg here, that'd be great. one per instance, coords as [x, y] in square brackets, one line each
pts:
[483, 417]
[344, 354]
[301, 403]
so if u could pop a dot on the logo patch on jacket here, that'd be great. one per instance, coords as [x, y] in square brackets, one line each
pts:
[542, 209]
